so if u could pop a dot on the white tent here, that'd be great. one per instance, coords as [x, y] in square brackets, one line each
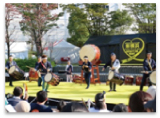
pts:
[18, 49]
[65, 49]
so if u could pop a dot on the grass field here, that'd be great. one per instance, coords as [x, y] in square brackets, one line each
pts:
[74, 91]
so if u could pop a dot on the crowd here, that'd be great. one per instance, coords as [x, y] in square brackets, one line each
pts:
[139, 101]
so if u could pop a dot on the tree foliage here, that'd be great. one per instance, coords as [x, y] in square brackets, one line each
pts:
[145, 15]
[10, 13]
[37, 21]
[94, 19]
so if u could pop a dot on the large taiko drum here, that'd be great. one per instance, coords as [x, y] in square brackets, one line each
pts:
[52, 79]
[92, 51]
[152, 77]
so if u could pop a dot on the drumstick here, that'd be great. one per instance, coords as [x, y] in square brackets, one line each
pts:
[29, 67]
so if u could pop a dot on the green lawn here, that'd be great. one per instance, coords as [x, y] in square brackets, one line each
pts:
[74, 91]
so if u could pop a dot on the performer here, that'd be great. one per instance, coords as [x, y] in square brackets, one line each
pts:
[149, 64]
[37, 63]
[69, 70]
[86, 66]
[114, 66]
[44, 66]
[7, 67]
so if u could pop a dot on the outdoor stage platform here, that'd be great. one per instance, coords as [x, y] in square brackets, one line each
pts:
[72, 91]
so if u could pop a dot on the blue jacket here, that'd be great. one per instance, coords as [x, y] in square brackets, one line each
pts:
[89, 64]
[8, 64]
[13, 101]
[42, 69]
[146, 66]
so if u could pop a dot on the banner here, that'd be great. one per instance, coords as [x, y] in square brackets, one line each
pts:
[132, 50]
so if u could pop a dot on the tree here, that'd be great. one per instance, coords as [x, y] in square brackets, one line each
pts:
[145, 15]
[10, 13]
[37, 21]
[120, 22]
[94, 19]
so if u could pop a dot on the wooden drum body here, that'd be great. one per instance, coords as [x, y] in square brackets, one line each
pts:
[129, 80]
[92, 51]
[139, 80]
[33, 75]
[116, 77]
[16, 72]
[51, 79]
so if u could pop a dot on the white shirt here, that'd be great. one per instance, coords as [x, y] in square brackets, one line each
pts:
[98, 110]
[116, 65]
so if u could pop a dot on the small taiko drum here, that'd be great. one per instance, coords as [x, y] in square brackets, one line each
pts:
[33, 75]
[152, 77]
[52, 79]
[92, 51]
[128, 80]
[139, 80]
[16, 72]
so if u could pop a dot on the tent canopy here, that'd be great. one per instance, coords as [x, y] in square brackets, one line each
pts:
[65, 49]
[18, 49]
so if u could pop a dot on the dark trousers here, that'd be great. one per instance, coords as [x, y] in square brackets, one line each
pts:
[10, 80]
[145, 76]
[112, 86]
[39, 81]
[87, 77]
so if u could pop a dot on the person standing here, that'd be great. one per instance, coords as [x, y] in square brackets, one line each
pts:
[114, 66]
[7, 67]
[37, 63]
[69, 70]
[44, 66]
[86, 66]
[149, 64]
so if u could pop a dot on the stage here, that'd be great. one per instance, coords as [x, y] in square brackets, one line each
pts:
[72, 91]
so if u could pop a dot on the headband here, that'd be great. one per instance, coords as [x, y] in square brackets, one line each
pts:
[44, 58]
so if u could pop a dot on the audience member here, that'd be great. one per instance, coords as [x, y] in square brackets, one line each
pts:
[18, 93]
[100, 105]
[40, 105]
[60, 105]
[137, 101]
[74, 107]
[150, 106]
[120, 108]
[22, 106]
[152, 91]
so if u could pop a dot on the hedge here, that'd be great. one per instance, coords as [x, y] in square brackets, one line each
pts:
[22, 63]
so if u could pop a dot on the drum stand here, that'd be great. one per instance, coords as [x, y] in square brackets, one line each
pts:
[93, 79]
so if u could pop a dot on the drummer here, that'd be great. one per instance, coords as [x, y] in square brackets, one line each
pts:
[149, 64]
[44, 66]
[87, 70]
[37, 63]
[114, 66]
[7, 67]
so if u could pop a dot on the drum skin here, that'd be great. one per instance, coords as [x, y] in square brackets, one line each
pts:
[54, 80]
[33, 75]
[90, 50]
[17, 73]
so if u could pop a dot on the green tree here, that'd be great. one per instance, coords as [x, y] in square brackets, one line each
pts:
[145, 15]
[94, 19]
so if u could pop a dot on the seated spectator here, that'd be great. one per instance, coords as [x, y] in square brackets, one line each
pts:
[152, 91]
[74, 107]
[18, 93]
[60, 105]
[41, 100]
[100, 104]
[150, 106]
[120, 108]
[22, 106]
[137, 101]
